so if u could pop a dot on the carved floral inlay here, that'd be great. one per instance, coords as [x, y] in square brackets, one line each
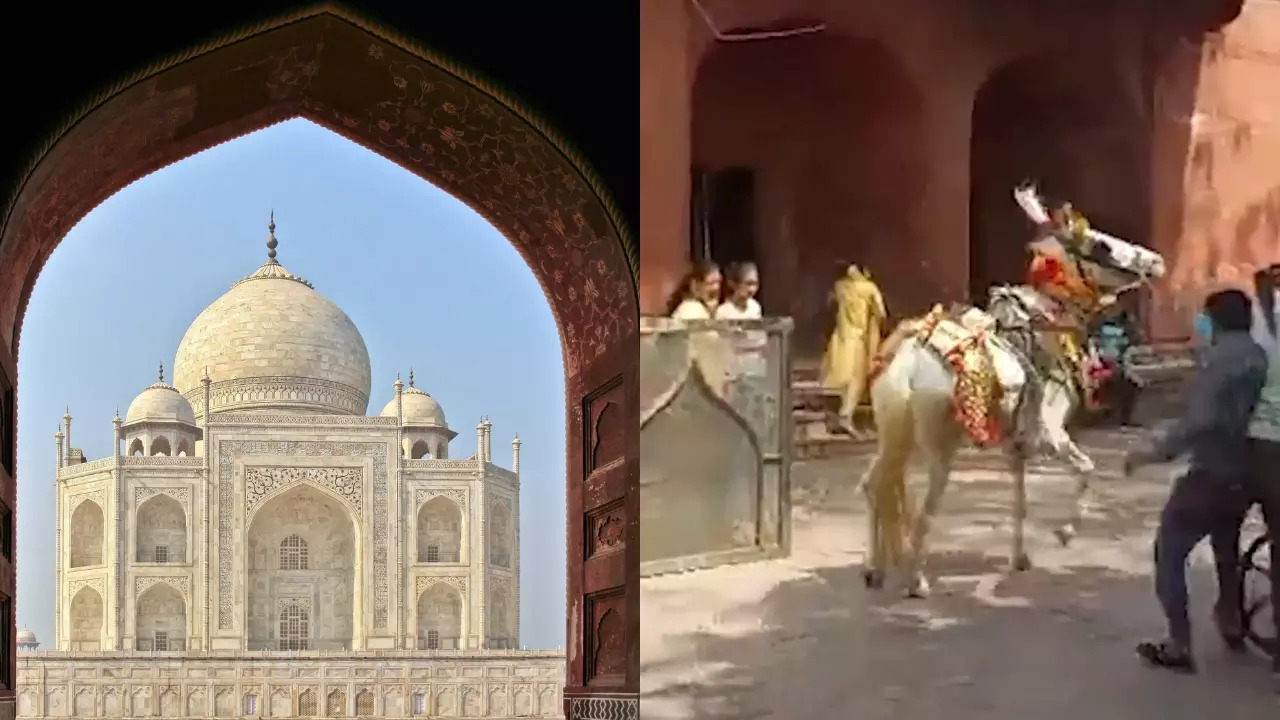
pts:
[425, 581]
[143, 582]
[99, 584]
[422, 495]
[181, 494]
[98, 496]
[262, 482]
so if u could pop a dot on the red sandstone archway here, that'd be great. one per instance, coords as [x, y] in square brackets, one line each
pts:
[1075, 122]
[418, 111]
[830, 128]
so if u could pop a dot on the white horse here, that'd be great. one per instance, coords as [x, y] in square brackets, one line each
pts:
[914, 397]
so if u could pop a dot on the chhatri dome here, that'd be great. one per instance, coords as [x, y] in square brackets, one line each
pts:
[420, 409]
[160, 402]
[273, 343]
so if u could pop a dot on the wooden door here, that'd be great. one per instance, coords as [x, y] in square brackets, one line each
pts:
[604, 537]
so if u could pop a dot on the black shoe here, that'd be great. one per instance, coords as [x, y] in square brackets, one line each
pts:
[1159, 654]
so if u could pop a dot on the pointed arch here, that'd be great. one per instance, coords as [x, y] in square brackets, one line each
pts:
[439, 531]
[88, 530]
[160, 446]
[86, 619]
[160, 622]
[439, 615]
[160, 530]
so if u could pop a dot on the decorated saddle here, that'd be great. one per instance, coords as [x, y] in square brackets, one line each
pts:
[963, 337]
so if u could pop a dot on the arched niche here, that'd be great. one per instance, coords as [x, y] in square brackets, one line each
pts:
[419, 450]
[1072, 122]
[87, 535]
[810, 152]
[501, 533]
[439, 615]
[302, 521]
[160, 446]
[160, 618]
[136, 448]
[86, 619]
[161, 530]
[501, 619]
[439, 531]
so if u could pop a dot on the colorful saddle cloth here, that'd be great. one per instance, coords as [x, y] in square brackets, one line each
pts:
[961, 338]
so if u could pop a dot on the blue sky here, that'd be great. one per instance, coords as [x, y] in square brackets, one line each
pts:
[429, 283]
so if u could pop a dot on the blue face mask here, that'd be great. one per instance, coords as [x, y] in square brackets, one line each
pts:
[1204, 328]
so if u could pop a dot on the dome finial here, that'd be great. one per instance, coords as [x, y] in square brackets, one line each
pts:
[161, 372]
[410, 376]
[272, 244]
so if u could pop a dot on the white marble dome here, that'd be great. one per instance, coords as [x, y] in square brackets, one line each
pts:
[273, 343]
[419, 408]
[160, 402]
[27, 636]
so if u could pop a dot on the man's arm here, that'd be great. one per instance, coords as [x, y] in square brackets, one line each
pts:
[1201, 415]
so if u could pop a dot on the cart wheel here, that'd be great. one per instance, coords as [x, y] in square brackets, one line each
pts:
[1257, 596]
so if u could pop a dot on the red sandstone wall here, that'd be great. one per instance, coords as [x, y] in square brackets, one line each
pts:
[1216, 199]
[862, 138]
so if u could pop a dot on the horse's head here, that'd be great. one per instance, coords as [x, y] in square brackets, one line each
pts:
[1095, 264]
[1106, 263]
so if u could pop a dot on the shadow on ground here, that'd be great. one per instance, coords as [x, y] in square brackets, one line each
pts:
[802, 638]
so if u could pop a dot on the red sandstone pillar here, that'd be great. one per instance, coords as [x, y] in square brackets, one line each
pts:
[942, 223]
[665, 129]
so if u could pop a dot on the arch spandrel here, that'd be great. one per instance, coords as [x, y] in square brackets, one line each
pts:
[519, 176]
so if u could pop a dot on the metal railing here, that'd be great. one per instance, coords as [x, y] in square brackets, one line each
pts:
[443, 643]
[439, 556]
[170, 558]
[715, 442]
[170, 645]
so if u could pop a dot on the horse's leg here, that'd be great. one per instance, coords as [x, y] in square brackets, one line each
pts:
[873, 565]
[940, 436]
[1019, 560]
[1055, 411]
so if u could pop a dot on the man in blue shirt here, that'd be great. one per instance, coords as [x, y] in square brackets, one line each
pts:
[1212, 497]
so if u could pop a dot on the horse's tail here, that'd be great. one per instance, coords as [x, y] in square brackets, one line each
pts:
[895, 430]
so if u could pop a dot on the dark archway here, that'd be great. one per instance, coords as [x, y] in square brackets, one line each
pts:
[809, 151]
[1077, 124]
[458, 132]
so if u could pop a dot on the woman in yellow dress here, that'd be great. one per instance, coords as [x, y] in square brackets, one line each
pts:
[860, 315]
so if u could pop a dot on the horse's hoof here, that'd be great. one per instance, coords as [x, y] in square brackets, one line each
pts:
[873, 579]
[1022, 563]
[917, 590]
[1065, 535]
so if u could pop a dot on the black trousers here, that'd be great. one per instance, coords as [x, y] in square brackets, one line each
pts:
[1264, 489]
[1199, 506]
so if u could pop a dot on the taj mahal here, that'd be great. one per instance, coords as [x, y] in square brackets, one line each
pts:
[260, 546]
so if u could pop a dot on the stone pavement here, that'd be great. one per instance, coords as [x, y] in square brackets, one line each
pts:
[802, 638]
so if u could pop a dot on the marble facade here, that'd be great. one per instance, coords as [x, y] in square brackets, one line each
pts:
[258, 546]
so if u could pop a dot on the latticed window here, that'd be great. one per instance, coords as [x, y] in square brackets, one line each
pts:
[336, 704]
[419, 703]
[307, 704]
[433, 553]
[250, 704]
[295, 627]
[433, 639]
[162, 641]
[364, 704]
[293, 553]
[162, 554]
